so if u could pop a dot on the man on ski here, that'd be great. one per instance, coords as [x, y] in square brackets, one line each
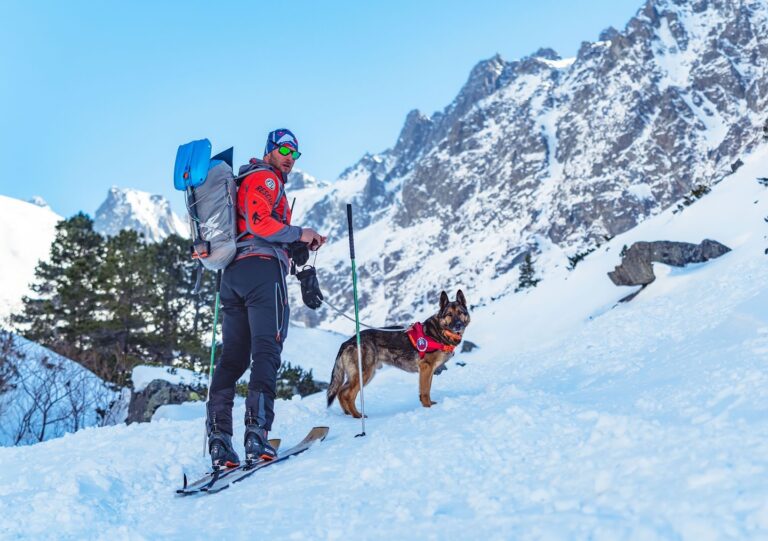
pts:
[255, 302]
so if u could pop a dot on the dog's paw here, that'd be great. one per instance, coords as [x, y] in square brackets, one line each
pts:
[427, 402]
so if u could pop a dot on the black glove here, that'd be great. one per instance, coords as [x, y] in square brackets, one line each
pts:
[299, 252]
[310, 288]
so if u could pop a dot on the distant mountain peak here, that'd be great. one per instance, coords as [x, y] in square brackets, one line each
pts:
[38, 201]
[299, 179]
[548, 53]
[149, 214]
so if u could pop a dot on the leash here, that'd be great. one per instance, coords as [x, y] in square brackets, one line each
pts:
[338, 311]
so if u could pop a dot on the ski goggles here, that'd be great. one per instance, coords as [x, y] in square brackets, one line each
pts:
[285, 150]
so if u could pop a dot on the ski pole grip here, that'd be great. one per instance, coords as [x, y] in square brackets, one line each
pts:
[351, 235]
[218, 281]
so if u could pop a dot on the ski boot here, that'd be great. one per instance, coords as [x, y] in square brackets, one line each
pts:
[257, 446]
[223, 454]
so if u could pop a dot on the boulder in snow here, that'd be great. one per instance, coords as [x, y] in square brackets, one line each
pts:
[158, 393]
[636, 267]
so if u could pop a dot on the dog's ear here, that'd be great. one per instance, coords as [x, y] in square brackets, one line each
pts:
[444, 300]
[460, 298]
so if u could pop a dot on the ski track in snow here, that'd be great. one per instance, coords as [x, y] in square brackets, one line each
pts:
[576, 419]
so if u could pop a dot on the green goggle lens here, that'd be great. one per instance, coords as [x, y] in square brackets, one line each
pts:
[285, 151]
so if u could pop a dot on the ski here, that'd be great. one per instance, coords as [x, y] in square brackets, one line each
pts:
[213, 476]
[318, 433]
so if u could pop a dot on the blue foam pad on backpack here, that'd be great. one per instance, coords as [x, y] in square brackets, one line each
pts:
[191, 166]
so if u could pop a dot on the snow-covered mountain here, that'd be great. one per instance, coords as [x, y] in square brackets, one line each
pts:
[576, 418]
[299, 179]
[149, 214]
[28, 230]
[548, 150]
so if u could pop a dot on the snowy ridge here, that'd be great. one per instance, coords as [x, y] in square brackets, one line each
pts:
[28, 230]
[143, 212]
[575, 419]
[39, 202]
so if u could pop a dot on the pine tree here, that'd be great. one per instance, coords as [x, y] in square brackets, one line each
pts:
[527, 275]
[110, 304]
[62, 313]
[124, 288]
[180, 317]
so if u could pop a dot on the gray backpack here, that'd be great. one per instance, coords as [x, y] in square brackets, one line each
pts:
[210, 191]
[212, 210]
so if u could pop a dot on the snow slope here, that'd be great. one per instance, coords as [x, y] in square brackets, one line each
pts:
[51, 395]
[575, 419]
[28, 230]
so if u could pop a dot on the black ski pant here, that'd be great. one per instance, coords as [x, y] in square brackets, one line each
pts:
[255, 308]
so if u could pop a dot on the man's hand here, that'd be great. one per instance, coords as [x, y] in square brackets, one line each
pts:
[312, 238]
[299, 253]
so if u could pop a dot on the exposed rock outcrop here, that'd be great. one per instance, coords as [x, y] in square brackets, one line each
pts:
[158, 393]
[636, 268]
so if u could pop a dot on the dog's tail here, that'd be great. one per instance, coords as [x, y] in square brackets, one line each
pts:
[337, 377]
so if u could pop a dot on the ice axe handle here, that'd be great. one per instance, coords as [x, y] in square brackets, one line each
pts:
[351, 236]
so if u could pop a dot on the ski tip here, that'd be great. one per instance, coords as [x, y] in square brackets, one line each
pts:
[319, 432]
[185, 480]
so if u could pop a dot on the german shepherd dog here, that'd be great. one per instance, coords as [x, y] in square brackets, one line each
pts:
[381, 347]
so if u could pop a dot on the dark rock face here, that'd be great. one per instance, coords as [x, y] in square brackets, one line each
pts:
[158, 393]
[636, 267]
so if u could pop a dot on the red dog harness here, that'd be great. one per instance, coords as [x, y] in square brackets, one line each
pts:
[423, 343]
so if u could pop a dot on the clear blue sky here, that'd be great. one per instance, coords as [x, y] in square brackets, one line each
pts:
[102, 92]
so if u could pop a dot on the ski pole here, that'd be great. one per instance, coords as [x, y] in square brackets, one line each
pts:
[357, 318]
[213, 357]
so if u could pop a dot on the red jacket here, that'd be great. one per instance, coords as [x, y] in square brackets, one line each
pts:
[263, 213]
